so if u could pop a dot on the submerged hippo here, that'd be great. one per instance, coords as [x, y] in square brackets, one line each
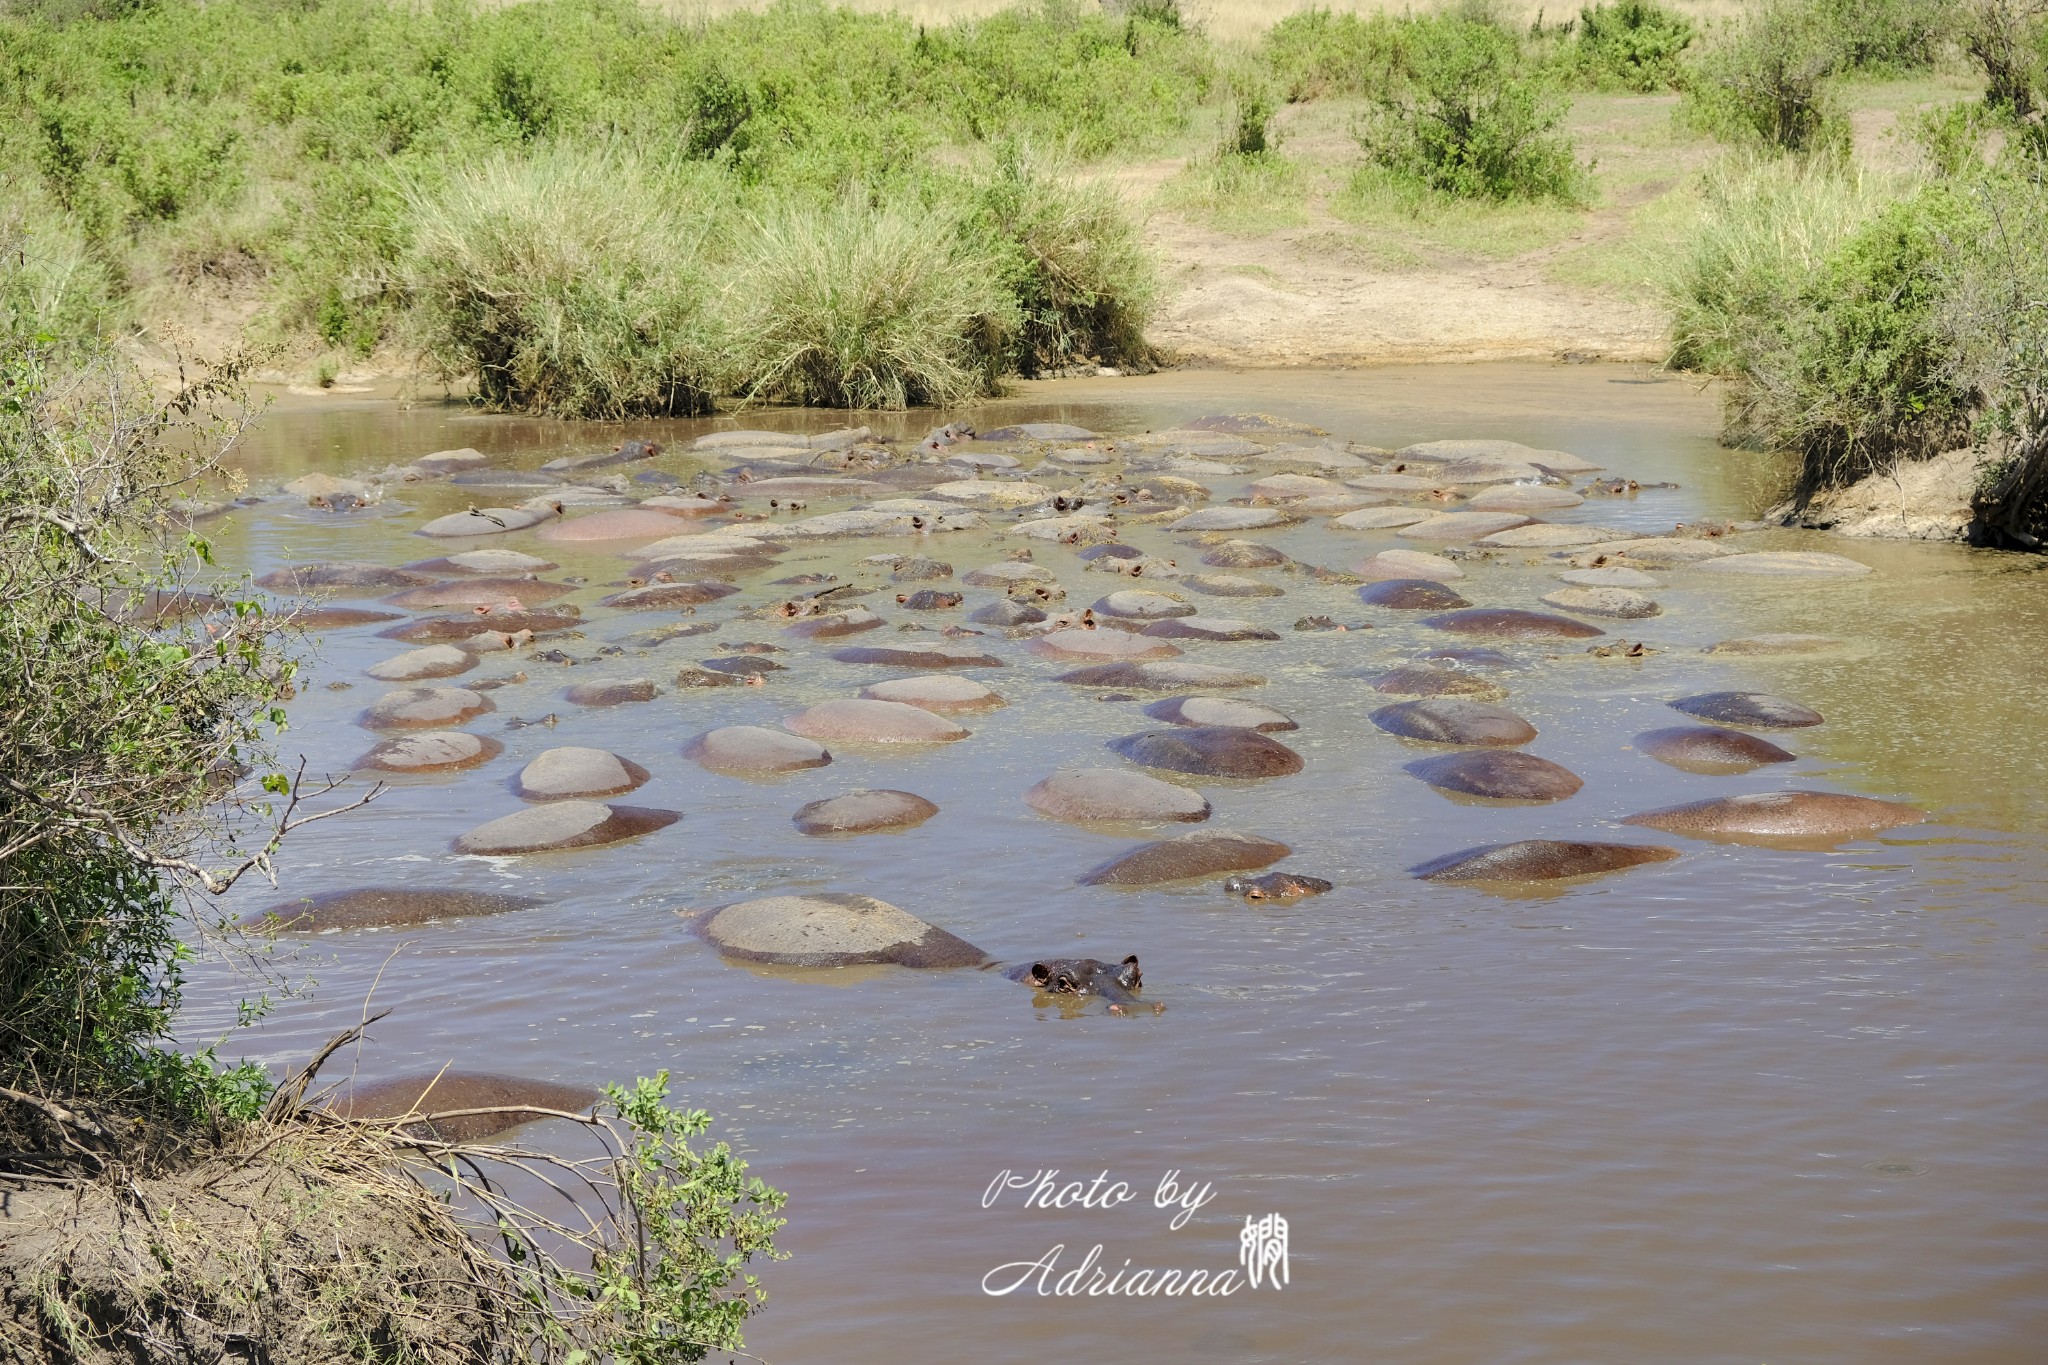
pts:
[1537, 860]
[1710, 749]
[446, 1103]
[1757, 710]
[1115, 983]
[1794, 817]
[1276, 886]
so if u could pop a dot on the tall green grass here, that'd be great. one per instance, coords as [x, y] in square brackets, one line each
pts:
[570, 282]
[867, 305]
[356, 164]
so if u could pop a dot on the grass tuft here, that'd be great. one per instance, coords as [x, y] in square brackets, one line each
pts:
[867, 305]
[568, 281]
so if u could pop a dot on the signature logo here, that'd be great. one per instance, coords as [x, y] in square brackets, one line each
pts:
[1262, 1253]
[1262, 1249]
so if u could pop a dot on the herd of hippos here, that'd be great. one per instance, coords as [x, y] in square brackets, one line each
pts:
[699, 547]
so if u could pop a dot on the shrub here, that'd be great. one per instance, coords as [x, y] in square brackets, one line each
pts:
[1858, 376]
[1467, 119]
[1994, 306]
[126, 727]
[1763, 229]
[1631, 45]
[568, 281]
[2009, 40]
[1886, 37]
[1316, 54]
[1821, 296]
[1073, 260]
[865, 304]
[1768, 85]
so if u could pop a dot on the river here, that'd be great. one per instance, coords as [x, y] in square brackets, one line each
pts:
[1751, 1105]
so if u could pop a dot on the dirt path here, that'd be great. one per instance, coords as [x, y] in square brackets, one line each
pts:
[1311, 296]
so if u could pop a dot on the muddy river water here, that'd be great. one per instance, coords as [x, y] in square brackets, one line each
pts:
[1755, 1104]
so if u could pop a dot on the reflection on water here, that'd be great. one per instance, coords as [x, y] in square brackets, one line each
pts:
[1753, 1104]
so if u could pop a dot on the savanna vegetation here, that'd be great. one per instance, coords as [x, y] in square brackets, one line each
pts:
[594, 207]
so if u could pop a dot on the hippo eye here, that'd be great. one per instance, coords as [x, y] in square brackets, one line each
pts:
[1065, 985]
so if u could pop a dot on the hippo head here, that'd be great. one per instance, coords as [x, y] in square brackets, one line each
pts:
[1115, 983]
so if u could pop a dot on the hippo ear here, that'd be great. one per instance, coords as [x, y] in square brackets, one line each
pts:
[1039, 974]
[1130, 975]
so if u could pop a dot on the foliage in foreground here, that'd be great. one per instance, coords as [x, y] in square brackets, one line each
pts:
[136, 716]
[301, 1235]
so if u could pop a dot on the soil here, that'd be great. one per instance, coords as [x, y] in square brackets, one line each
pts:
[1926, 500]
[266, 1256]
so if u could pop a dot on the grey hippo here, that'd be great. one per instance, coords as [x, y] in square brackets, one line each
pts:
[1116, 984]
[1758, 710]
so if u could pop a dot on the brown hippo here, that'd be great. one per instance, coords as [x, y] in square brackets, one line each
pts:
[1210, 751]
[1502, 775]
[1797, 817]
[1710, 749]
[1534, 860]
[452, 1093]
[1411, 594]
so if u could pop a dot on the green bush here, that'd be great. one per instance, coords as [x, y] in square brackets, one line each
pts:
[1826, 299]
[1075, 263]
[294, 145]
[867, 305]
[1316, 54]
[1768, 84]
[1630, 45]
[1887, 37]
[1468, 118]
[1994, 308]
[124, 730]
[1858, 377]
[569, 281]
[1763, 230]
[2008, 39]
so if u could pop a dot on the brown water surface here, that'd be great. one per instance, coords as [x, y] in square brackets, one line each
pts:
[1749, 1105]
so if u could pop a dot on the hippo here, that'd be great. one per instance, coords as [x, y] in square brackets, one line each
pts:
[455, 1093]
[1533, 860]
[1453, 720]
[1503, 775]
[1798, 818]
[1511, 623]
[1210, 751]
[1411, 594]
[1757, 710]
[1115, 983]
[1710, 749]
[383, 907]
[1276, 886]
